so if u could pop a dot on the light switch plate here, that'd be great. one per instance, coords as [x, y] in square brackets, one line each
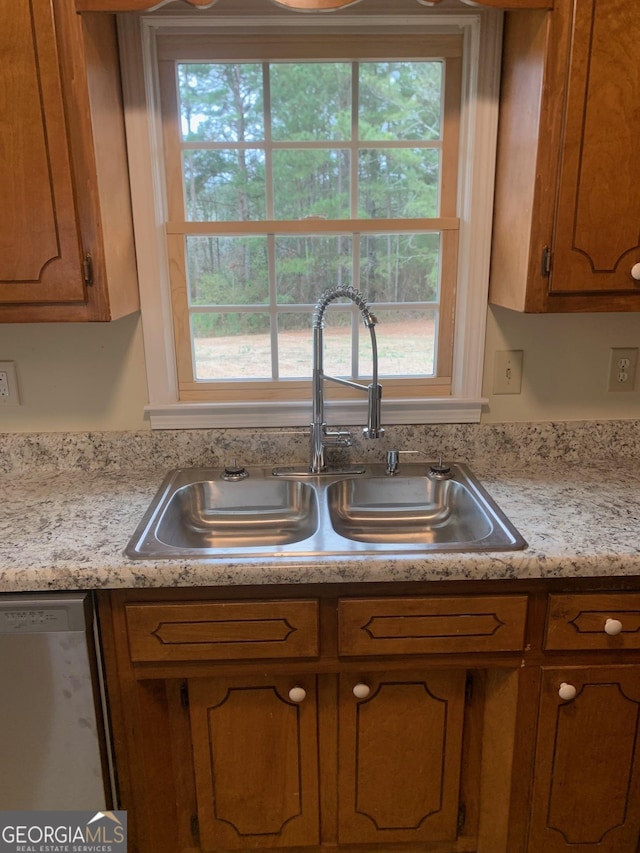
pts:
[507, 371]
[8, 385]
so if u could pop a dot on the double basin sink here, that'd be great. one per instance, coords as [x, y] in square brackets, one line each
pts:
[198, 514]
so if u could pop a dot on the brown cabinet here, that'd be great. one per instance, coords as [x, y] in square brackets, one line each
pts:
[66, 234]
[257, 764]
[588, 621]
[581, 706]
[400, 754]
[255, 756]
[566, 234]
[223, 630]
[443, 719]
[431, 624]
[586, 792]
[255, 723]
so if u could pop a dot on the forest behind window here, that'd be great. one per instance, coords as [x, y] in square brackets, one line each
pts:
[288, 177]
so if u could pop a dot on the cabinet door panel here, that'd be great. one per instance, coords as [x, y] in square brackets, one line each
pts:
[40, 256]
[256, 763]
[586, 785]
[400, 750]
[598, 217]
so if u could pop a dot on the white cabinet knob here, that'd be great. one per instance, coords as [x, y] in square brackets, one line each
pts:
[297, 694]
[635, 272]
[361, 691]
[612, 627]
[567, 691]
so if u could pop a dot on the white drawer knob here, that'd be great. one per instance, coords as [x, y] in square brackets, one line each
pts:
[635, 272]
[612, 627]
[297, 694]
[361, 691]
[567, 691]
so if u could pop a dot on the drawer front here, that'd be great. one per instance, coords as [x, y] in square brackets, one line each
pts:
[222, 630]
[436, 625]
[594, 621]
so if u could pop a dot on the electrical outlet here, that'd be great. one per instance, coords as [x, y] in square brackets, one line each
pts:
[8, 384]
[507, 372]
[622, 368]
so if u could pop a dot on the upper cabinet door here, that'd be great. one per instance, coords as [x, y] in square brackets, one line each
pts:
[66, 232]
[566, 230]
[597, 232]
[40, 257]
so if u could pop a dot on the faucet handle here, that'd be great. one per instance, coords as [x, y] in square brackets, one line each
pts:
[337, 438]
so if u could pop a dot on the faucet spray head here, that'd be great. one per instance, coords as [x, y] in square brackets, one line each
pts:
[373, 428]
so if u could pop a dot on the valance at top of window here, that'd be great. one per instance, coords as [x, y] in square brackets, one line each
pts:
[295, 5]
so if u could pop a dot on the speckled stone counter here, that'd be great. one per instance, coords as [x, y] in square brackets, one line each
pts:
[69, 505]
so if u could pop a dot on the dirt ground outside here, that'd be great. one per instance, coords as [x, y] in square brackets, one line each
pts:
[405, 348]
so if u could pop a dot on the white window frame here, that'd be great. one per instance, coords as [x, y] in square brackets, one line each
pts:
[482, 35]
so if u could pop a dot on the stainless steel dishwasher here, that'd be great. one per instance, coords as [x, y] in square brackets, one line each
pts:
[53, 745]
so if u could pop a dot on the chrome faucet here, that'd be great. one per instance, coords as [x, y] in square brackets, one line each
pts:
[320, 436]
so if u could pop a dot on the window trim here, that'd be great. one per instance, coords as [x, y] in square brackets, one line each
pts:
[482, 32]
[288, 46]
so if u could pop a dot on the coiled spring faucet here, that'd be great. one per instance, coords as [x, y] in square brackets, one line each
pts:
[322, 437]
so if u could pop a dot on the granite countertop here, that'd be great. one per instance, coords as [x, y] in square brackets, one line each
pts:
[67, 529]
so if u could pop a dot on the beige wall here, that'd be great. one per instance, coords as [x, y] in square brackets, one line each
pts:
[78, 378]
[565, 366]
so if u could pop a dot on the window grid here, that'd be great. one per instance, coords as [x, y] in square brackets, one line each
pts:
[272, 227]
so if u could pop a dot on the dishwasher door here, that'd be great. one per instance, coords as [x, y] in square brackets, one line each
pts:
[53, 753]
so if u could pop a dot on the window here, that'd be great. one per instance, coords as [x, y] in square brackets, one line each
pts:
[293, 160]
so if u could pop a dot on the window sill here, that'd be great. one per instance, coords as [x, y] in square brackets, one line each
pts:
[409, 411]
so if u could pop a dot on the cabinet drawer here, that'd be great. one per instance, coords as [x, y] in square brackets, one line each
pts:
[222, 630]
[438, 625]
[594, 621]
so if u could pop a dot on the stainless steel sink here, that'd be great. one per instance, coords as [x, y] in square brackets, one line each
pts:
[197, 514]
[197, 511]
[402, 509]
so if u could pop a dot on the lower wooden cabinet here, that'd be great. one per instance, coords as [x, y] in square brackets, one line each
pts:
[255, 757]
[586, 792]
[399, 756]
[338, 719]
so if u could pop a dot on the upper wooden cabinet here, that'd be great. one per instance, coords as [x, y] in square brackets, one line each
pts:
[66, 234]
[567, 210]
